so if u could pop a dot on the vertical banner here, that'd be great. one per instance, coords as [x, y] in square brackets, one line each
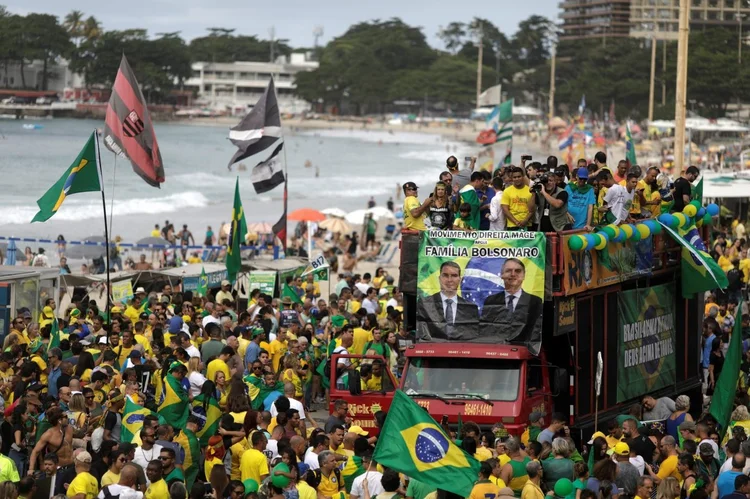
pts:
[483, 286]
[646, 345]
[122, 291]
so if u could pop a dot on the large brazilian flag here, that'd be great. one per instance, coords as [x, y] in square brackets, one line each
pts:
[412, 443]
[174, 408]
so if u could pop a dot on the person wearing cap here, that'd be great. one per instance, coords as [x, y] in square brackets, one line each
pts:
[687, 431]
[536, 422]
[518, 202]
[581, 200]
[84, 485]
[414, 211]
[225, 293]
[627, 474]
[708, 464]
[552, 201]
[48, 312]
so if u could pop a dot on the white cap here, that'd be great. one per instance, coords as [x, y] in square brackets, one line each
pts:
[383, 291]
[103, 340]
[140, 289]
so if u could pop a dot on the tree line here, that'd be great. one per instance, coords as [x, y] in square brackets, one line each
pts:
[376, 63]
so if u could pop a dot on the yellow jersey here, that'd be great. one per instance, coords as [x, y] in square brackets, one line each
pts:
[411, 222]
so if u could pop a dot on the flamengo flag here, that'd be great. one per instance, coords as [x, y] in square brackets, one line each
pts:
[236, 236]
[319, 263]
[81, 176]
[128, 131]
[268, 174]
[259, 130]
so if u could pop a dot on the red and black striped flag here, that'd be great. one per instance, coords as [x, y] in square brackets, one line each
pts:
[128, 131]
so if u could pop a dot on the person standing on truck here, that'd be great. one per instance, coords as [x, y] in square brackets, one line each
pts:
[614, 434]
[414, 212]
[514, 473]
[683, 187]
[657, 410]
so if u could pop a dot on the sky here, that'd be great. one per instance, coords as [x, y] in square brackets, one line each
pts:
[294, 20]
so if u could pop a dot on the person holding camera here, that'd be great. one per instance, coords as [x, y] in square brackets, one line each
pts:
[553, 203]
[518, 202]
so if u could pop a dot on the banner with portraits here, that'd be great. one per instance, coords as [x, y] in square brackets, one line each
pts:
[483, 286]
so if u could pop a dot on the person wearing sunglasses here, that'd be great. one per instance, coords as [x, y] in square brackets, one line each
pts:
[171, 473]
[117, 460]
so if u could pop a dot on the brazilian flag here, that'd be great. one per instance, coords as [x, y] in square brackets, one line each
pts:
[174, 408]
[209, 412]
[54, 335]
[253, 384]
[413, 443]
[352, 470]
[263, 391]
[192, 447]
[133, 416]
[726, 386]
[236, 236]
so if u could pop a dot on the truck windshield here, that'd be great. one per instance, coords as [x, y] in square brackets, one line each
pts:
[457, 377]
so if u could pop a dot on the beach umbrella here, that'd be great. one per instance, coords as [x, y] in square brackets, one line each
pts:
[357, 217]
[153, 241]
[334, 212]
[87, 251]
[10, 255]
[306, 215]
[260, 227]
[336, 225]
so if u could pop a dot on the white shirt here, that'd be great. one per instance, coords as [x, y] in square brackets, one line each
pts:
[497, 217]
[712, 444]
[311, 459]
[122, 491]
[454, 305]
[196, 383]
[516, 296]
[363, 286]
[143, 457]
[193, 352]
[343, 360]
[370, 305]
[209, 319]
[391, 303]
[272, 449]
[619, 200]
[373, 483]
[293, 404]
[639, 464]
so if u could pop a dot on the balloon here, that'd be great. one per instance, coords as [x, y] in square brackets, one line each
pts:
[280, 481]
[667, 219]
[690, 211]
[636, 236]
[644, 230]
[700, 213]
[654, 226]
[707, 219]
[609, 230]
[576, 242]
[681, 220]
[563, 487]
[699, 223]
[696, 203]
[627, 229]
[713, 209]
[601, 242]
[590, 241]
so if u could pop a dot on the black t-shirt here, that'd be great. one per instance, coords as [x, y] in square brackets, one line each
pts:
[544, 223]
[681, 187]
[440, 217]
[642, 446]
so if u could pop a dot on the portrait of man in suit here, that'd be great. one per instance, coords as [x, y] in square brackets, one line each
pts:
[513, 313]
[445, 315]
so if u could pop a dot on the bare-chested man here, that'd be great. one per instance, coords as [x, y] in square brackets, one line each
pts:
[58, 439]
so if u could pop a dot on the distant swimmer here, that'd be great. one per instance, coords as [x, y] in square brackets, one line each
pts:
[308, 164]
[317, 172]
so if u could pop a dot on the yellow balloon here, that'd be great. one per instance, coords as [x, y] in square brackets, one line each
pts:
[628, 230]
[699, 223]
[617, 231]
[643, 230]
[690, 211]
[602, 244]
[681, 218]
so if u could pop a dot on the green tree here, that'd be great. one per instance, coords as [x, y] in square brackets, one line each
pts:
[46, 39]
[453, 36]
[74, 25]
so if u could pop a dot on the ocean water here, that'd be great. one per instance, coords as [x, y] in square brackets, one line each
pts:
[353, 165]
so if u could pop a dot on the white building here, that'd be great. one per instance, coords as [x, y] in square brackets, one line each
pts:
[59, 76]
[237, 85]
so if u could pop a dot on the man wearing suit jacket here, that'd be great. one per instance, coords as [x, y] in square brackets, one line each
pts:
[445, 315]
[513, 313]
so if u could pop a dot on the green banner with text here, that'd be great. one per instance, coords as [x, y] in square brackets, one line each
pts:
[646, 345]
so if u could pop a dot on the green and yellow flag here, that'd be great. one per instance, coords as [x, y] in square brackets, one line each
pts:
[413, 443]
[209, 412]
[236, 236]
[726, 386]
[81, 176]
[192, 447]
[352, 470]
[54, 335]
[288, 292]
[133, 416]
[174, 408]
[202, 288]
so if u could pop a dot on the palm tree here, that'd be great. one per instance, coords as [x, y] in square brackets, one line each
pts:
[92, 29]
[74, 25]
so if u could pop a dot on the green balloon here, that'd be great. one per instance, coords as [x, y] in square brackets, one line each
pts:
[280, 481]
[609, 231]
[707, 220]
[696, 203]
[575, 243]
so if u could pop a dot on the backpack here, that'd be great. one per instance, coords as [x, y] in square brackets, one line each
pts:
[319, 477]
[108, 494]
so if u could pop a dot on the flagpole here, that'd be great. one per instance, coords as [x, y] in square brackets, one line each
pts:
[104, 208]
[286, 213]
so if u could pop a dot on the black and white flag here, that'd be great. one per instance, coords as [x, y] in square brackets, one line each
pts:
[259, 130]
[269, 173]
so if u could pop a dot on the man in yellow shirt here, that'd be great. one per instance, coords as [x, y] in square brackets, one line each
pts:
[133, 311]
[668, 466]
[614, 434]
[745, 266]
[277, 349]
[84, 485]
[219, 365]
[651, 192]
[518, 202]
[414, 212]
[484, 488]
[158, 488]
[124, 349]
[532, 489]
[253, 463]
[330, 479]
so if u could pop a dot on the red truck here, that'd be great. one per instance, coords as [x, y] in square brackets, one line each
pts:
[491, 383]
